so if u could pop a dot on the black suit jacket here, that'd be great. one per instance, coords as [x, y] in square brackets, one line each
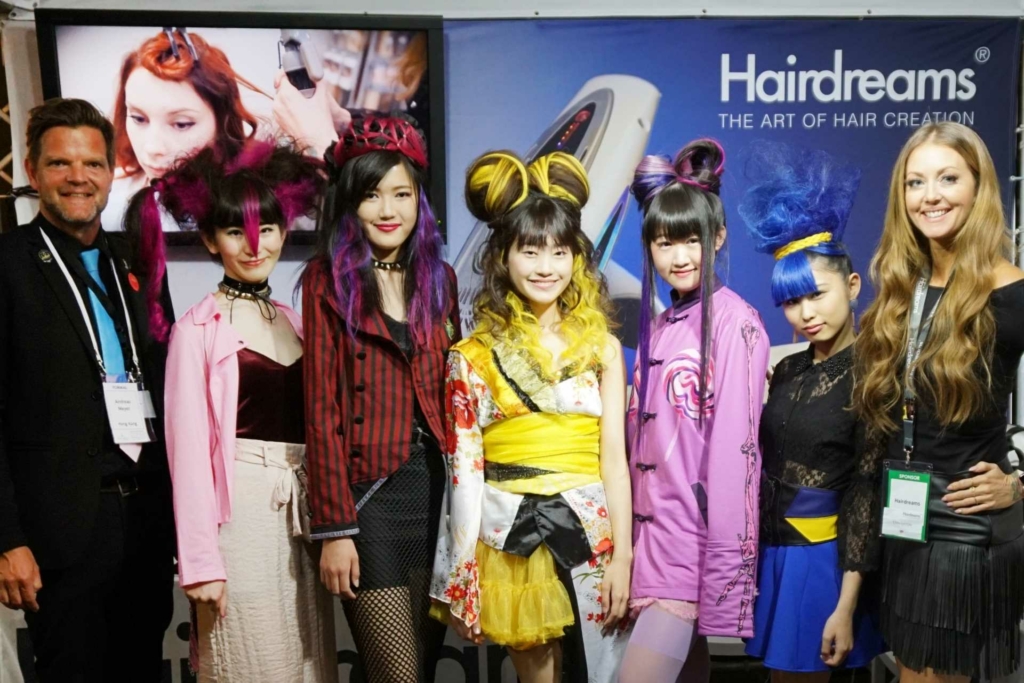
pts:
[53, 425]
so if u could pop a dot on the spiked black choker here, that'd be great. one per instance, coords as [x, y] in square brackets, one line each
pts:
[387, 265]
[244, 290]
[258, 293]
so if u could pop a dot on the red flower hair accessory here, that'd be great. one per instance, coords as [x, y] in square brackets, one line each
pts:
[372, 133]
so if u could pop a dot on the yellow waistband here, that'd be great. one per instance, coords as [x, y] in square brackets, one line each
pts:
[816, 529]
[557, 443]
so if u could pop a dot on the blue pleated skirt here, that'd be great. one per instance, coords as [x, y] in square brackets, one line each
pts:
[798, 589]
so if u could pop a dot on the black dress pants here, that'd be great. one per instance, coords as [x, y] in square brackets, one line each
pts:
[104, 618]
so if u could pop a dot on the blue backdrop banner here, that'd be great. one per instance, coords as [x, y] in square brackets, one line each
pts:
[610, 91]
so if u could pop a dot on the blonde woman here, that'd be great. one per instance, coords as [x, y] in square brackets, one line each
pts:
[935, 366]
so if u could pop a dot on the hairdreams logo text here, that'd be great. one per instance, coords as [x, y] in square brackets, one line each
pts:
[845, 85]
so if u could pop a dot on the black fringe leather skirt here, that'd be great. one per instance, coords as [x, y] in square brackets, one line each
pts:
[954, 604]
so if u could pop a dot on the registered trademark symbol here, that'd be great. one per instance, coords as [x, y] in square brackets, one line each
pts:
[982, 54]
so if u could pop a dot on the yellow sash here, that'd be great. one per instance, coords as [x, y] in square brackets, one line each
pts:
[567, 445]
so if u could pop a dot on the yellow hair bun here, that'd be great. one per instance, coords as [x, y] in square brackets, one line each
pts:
[561, 176]
[496, 183]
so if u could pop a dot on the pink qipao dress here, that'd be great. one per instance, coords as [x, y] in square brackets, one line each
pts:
[695, 486]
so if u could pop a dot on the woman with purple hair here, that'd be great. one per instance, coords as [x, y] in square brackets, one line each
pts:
[234, 421]
[381, 309]
[693, 421]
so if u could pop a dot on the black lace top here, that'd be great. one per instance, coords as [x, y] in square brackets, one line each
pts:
[810, 437]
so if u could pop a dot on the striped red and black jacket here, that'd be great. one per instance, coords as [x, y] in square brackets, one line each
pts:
[360, 391]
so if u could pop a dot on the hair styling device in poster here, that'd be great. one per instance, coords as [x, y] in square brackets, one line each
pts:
[606, 126]
[300, 60]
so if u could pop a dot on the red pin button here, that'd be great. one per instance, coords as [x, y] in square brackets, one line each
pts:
[133, 281]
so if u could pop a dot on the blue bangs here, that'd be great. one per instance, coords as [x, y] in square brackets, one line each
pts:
[793, 278]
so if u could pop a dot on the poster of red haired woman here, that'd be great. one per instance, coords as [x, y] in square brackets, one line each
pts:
[171, 91]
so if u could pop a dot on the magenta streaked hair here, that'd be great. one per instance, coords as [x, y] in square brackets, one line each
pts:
[254, 155]
[295, 198]
[153, 253]
[185, 196]
[684, 162]
[265, 183]
[251, 219]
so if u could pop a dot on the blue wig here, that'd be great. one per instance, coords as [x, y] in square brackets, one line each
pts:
[798, 205]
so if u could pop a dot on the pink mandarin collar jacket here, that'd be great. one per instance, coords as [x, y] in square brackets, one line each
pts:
[201, 407]
[695, 487]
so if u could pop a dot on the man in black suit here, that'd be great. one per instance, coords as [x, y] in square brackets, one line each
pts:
[86, 527]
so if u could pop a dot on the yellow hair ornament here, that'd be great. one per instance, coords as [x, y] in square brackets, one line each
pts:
[496, 176]
[538, 171]
[804, 243]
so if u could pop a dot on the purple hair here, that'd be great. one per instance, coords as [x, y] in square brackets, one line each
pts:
[350, 258]
[655, 172]
[422, 252]
[653, 175]
[428, 272]
[647, 290]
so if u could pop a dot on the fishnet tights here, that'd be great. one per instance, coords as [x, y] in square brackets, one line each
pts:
[395, 637]
[396, 640]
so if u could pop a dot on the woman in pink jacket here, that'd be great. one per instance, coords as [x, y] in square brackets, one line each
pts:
[693, 424]
[235, 426]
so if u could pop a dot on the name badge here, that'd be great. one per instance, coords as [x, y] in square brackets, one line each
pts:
[905, 515]
[147, 403]
[128, 406]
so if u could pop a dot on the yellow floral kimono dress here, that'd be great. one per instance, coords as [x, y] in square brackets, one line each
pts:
[526, 538]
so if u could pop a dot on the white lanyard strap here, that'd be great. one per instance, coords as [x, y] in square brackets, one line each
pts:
[916, 338]
[85, 311]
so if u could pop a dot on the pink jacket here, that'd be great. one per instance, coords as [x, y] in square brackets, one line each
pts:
[695, 490]
[200, 409]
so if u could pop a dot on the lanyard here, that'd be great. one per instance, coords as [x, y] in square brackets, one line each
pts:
[85, 311]
[915, 342]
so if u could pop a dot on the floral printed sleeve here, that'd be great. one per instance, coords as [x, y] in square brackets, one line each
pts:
[455, 579]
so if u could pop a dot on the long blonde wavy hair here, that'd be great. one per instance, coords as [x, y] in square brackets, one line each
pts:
[525, 205]
[954, 368]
